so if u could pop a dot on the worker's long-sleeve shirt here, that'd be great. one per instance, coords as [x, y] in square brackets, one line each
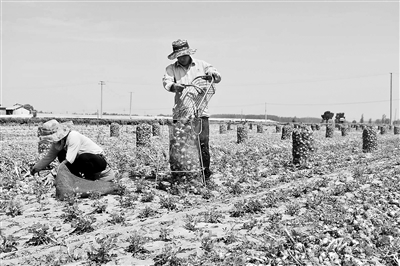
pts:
[75, 144]
[176, 73]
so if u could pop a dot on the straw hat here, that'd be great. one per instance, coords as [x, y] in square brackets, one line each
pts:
[180, 47]
[52, 131]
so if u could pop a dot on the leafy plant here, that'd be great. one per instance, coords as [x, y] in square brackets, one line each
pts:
[136, 243]
[8, 243]
[147, 197]
[190, 222]
[128, 201]
[83, 224]
[14, 208]
[147, 212]
[168, 256]
[100, 254]
[212, 216]
[207, 242]
[246, 206]
[168, 202]
[40, 235]
[117, 218]
[165, 234]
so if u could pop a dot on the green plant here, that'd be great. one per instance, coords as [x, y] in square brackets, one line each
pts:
[14, 208]
[168, 256]
[168, 202]
[99, 206]
[207, 243]
[250, 224]
[100, 254]
[147, 196]
[71, 212]
[8, 243]
[292, 208]
[165, 234]
[246, 206]
[147, 212]
[190, 222]
[212, 216]
[136, 243]
[128, 200]
[40, 235]
[117, 218]
[83, 224]
[71, 199]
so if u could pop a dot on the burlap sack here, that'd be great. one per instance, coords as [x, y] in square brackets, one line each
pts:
[67, 183]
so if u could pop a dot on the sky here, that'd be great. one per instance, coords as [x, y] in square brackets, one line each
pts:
[284, 58]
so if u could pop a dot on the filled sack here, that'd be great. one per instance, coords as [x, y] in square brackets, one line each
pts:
[67, 183]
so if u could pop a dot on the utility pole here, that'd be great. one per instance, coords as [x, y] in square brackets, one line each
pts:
[390, 122]
[101, 99]
[265, 112]
[130, 106]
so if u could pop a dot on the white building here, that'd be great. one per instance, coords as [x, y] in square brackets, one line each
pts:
[2, 110]
[17, 110]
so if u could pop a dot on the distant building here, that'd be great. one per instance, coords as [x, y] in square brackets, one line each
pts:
[2, 110]
[17, 110]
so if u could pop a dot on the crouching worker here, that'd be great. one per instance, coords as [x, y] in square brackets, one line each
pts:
[81, 160]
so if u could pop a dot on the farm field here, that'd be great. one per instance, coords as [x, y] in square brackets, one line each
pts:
[343, 209]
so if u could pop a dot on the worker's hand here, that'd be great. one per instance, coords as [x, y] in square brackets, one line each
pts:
[33, 170]
[177, 87]
[215, 75]
[208, 77]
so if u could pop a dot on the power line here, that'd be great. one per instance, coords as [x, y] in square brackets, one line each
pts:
[258, 104]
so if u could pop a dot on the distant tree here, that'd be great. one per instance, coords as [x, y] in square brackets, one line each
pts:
[370, 121]
[354, 122]
[362, 119]
[327, 116]
[28, 107]
[294, 119]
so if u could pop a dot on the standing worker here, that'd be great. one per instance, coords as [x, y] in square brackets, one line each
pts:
[182, 72]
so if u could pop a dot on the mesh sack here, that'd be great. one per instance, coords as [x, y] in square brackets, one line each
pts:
[184, 156]
[68, 183]
[242, 133]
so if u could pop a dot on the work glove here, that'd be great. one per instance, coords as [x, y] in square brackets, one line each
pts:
[177, 87]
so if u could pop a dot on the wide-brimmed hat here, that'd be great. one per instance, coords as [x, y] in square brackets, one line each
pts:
[180, 47]
[52, 131]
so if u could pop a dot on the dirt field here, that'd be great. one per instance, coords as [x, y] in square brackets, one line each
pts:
[342, 208]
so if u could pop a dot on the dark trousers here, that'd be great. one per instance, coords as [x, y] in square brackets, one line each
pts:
[203, 126]
[86, 163]
[204, 146]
